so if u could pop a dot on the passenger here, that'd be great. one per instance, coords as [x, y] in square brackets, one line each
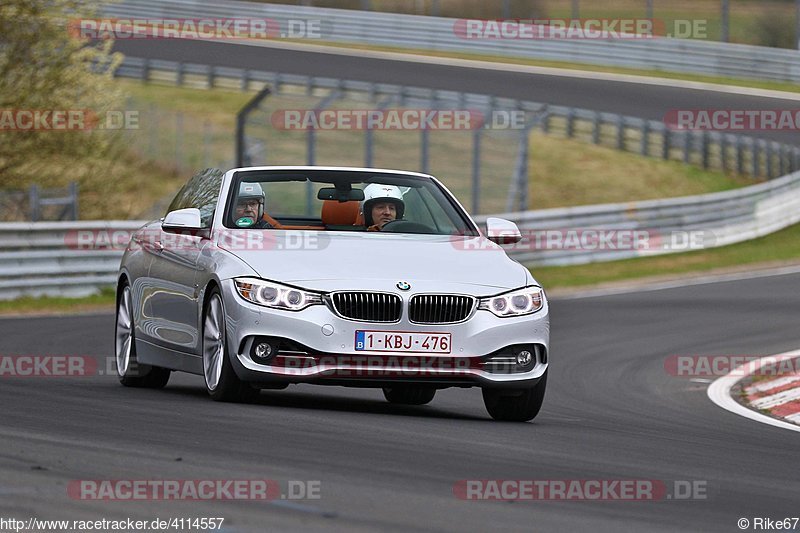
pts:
[249, 210]
[382, 204]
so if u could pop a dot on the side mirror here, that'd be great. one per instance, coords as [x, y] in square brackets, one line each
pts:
[502, 231]
[182, 220]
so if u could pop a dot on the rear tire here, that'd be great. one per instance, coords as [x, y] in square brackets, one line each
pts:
[129, 371]
[222, 383]
[515, 405]
[409, 395]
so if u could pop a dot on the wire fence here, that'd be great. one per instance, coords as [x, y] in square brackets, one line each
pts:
[39, 204]
[487, 165]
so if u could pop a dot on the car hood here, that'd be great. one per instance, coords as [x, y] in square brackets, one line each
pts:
[323, 260]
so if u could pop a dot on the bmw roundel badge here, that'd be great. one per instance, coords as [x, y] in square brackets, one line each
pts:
[403, 285]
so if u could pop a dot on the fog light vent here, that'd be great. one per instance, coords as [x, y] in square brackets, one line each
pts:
[524, 358]
[264, 349]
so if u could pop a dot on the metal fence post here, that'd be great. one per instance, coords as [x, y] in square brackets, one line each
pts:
[423, 149]
[723, 149]
[210, 79]
[620, 132]
[797, 23]
[725, 21]
[33, 200]
[245, 80]
[73, 191]
[755, 162]
[666, 143]
[781, 160]
[206, 143]
[153, 118]
[517, 199]
[645, 146]
[179, 74]
[704, 149]
[687, 146]
[739, 155]
[770, 166]
[368, 147]
[596, 128]
[571, 123]
[476, 170]
[241, 122]
[179, 140]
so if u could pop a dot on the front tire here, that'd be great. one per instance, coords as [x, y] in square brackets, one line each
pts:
[515, 405]
[409, 395]
[129, 371]
[222, 383]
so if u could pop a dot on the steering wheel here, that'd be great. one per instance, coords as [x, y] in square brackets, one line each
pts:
[406, 226]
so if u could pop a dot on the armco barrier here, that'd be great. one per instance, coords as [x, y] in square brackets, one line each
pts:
[715, 219]
[437, 34]
[37, 259]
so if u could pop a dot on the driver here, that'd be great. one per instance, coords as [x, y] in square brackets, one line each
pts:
[382, 204]
[249, 211]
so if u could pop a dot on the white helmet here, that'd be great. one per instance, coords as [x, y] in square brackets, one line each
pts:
[377, 193]
[250, 191]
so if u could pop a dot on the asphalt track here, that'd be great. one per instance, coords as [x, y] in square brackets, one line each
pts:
[638, 100]
[611, 412]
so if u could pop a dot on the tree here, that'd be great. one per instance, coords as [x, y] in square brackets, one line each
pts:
[44, 68]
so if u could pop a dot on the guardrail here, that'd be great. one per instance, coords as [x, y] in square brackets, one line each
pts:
[46, 258]
[438, 34]
[43, 258]
[571, 235]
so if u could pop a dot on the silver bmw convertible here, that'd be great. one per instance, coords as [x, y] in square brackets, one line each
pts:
[261, 277]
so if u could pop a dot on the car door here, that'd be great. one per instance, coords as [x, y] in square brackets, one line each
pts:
[173, 302]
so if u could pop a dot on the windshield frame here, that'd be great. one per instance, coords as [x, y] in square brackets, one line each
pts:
[330, 175]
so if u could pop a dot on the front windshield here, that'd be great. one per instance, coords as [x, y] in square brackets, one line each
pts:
[343, 200]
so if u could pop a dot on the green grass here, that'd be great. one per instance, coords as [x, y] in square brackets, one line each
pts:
[104, 300]
[782, 246]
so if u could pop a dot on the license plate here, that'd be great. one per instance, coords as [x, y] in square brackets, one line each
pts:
[401, 341]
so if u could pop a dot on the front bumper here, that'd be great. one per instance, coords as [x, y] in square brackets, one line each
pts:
[320, 348]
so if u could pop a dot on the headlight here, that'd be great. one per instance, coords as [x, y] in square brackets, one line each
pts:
[275, 295]
[516, 303]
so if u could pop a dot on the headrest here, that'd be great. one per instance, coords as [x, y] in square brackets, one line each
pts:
[339, 213]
